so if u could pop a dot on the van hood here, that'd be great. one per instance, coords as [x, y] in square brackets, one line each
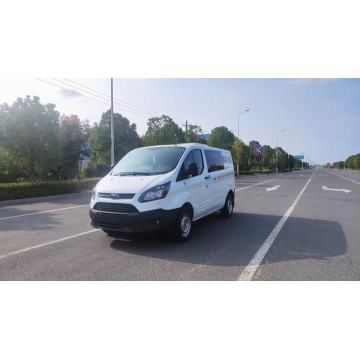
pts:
[129, 184]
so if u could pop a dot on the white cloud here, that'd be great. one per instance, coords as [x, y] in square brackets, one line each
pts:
[67, 93]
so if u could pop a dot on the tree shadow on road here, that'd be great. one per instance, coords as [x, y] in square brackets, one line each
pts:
[233, 242]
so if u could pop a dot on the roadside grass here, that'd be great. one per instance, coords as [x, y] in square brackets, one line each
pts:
[10, 191]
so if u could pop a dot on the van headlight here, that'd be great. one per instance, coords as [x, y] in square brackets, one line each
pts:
[155, 193]
[93, 193]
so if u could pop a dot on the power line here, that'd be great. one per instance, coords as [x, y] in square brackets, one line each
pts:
[122, 104]
[104, 97]
[91, 98]
[119, 101]
[61, 87]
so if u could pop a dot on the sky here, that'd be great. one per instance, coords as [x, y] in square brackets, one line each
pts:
[320, 117]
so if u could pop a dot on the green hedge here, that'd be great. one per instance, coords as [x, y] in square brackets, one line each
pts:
[253, 172]
[10, 191]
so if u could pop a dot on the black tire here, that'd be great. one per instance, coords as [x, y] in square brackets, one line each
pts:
[183, 225]
[228, 208]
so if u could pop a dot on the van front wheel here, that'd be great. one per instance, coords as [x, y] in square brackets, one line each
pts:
[183, 225]
[228, 208]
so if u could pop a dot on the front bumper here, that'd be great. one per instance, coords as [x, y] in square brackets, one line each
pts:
[152, 220]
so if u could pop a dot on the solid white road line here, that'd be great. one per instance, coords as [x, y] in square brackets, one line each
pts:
[346, 178]
[324, 187]
[253, 265]
[42, 212]
[46, 244]
[273, 188]
[250, 186]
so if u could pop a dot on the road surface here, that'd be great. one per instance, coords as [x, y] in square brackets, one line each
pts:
[291, 226]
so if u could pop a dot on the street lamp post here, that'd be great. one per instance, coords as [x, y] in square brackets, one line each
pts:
[238, 118]
[276, 149]
[238, 135]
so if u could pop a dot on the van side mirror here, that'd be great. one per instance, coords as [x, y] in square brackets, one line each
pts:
[193, 169]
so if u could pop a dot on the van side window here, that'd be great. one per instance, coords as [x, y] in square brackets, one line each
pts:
[194, 156]
[198, 160]
[215, 160]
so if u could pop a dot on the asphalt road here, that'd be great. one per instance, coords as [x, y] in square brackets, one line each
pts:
[291, 226]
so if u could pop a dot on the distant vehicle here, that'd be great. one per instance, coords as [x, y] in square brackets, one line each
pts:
[164, 187]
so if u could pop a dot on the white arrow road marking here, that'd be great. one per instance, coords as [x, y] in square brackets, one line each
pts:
[330, 189]
[250, 186]
[273, 188]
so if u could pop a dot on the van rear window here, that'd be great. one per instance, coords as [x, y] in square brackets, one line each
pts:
[215, 160]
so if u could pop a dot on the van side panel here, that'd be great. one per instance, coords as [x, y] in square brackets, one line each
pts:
[229, 183]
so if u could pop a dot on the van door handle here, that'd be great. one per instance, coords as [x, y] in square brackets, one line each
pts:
[207, 177]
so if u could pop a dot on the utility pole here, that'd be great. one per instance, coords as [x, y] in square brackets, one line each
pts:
[186, 130]
[112, 125]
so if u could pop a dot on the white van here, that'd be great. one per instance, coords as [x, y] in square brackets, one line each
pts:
[164, 187]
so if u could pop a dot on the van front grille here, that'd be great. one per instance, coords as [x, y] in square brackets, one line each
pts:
[116, 208]
[116, 196]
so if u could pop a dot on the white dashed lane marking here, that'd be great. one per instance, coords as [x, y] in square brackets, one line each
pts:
[42, 212]
[255, 262]
[17, 252]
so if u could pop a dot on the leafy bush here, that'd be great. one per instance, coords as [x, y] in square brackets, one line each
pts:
[31, 189]
[96, 170]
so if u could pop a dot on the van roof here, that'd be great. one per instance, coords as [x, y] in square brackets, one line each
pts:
[190, 145]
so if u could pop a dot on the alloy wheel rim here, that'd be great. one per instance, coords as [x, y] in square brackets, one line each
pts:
[185, 225]
[230, 206]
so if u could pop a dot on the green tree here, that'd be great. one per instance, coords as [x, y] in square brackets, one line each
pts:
[221, 137]
[357, 162]
[74, 135]
[193, 134]
[125, 138]
[339, 164]
[353, 162]
[291, 162]
[163, 130]
[29, 132]
[237, 151]
[282, 159]
[245, 156]
[254, 157]
[268, 157]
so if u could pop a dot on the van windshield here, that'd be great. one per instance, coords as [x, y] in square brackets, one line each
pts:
[148, 161]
